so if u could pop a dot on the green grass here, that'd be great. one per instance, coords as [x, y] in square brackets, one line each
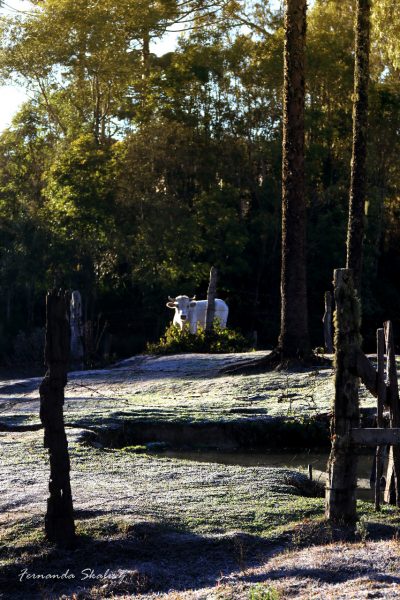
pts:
[263, 592]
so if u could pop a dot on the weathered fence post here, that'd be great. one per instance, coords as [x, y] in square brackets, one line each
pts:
[342, 466]
[59, 520]
[392, 490]
[327, 322]
[381, 399]
[211, 293]
[76, 329]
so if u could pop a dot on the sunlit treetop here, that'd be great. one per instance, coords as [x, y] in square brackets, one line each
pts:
[386, 30]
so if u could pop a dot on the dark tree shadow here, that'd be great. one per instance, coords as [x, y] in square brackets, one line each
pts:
[156, 557]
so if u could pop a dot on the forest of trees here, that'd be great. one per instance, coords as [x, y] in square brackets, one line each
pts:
[127, 175]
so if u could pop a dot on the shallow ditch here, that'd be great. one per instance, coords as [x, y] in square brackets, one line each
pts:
[267, 433]
[280, 442]
[248, 434]
[209, 446]
[291, 460]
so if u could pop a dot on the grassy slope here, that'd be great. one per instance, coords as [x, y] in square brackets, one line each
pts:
[178, 389]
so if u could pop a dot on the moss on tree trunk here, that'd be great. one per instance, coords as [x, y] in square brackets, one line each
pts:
[342, 465]
[355, 231]
[294, 339]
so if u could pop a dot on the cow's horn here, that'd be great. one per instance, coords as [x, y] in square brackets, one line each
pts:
[171, 299]
[194, 297]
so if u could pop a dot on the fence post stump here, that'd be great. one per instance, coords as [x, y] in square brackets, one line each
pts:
[327, 322]
[59, 519]
[211, 293]
[342, 466]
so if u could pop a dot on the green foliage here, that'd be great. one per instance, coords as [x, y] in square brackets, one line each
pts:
[176, 341]
[362, 529]
[386, 30]
[127, 175]
[263, 592]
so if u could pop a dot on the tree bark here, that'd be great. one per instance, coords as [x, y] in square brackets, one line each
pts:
[355, 230]
[59, 519]
[342, 465]
[294, 337]
[211, 293]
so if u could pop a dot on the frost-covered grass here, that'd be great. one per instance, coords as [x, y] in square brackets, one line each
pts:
[159, 524]
[194, 530]
[131, 507]
[200, 497]
[179, 389]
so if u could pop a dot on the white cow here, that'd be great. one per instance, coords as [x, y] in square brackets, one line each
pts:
[193, 312]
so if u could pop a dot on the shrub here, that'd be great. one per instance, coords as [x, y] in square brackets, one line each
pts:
[176, 341]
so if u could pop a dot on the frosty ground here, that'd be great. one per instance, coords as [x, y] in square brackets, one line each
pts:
[171, 528]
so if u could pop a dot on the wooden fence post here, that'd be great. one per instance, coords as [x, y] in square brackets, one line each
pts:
[342, 466]
[59, 520]
[76, 326]
[392, 490]
[381, 399]
[327, 321]
[211, 293]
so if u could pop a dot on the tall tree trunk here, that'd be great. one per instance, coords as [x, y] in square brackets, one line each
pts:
[294, 339]
[355, 230]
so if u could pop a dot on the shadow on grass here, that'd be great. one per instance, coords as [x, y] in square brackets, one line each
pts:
[18, 422]
[121, 557]
[333, 576]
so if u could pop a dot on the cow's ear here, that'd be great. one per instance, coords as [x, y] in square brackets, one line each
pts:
[192, 304]
[170, 304]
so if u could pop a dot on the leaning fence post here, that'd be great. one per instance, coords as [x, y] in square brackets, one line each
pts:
[327, 322]
[342, 466]
[59, 520]
[211, 293]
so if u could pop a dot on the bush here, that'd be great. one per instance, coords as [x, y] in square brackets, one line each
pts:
[175, 341]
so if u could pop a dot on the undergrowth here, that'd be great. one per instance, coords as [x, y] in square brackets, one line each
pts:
[175, 341]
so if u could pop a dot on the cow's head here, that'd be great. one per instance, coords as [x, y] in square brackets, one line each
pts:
[182, 306]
